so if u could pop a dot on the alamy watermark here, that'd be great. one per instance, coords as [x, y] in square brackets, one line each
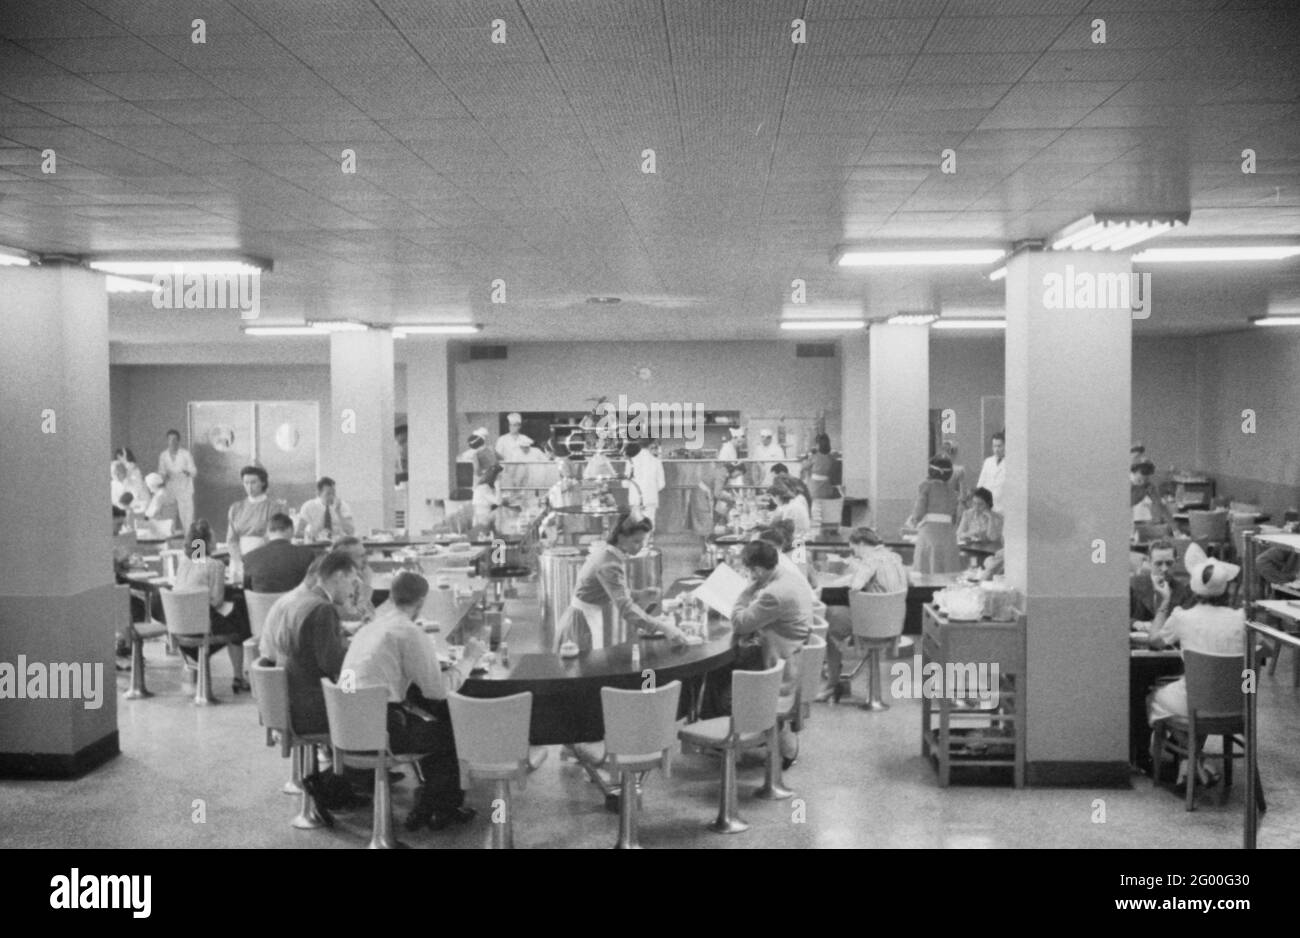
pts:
[62, 680]
[653, 421]
[954, 680]
[77, 891]
[1085, 290]
[209, 291]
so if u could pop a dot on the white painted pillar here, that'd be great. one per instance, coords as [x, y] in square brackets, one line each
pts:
[362, 452]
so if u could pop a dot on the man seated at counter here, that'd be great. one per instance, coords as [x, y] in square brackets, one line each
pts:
[874, 568]
[393, 652]
[278, 565]
[326, 515]
[1155, 592]
[781, 536]
[772, 621]
[791, 507]
[356, 607]
[602, 585]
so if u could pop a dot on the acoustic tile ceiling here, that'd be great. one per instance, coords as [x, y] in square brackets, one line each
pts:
[523, 161]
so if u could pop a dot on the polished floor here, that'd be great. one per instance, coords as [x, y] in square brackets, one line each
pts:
[196, 777]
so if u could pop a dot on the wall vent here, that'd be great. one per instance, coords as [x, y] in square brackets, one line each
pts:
[483, 353]
[815, 350]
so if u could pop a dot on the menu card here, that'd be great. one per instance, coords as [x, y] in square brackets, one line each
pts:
[721, 590]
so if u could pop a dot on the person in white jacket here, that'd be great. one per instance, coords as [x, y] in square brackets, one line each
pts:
[648, 474]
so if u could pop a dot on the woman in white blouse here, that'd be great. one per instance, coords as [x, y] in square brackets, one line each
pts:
[198, 570]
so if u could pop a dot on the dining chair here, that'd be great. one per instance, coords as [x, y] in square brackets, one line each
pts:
[1216, 706]
[492, 746]
[138, 633]
[358, 721]
[270, 685]
[754, 696]
[258, 604]
[877, 624]
[188, 624]
[1209, 528]
[793, 708]
[640, 735]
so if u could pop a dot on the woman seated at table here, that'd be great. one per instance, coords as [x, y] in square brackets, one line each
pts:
[979, 522]
[791, 506]
[602, 585]
[1211, 627]
[247, 520]
[874, 568]
[198, 570]
[932, 516]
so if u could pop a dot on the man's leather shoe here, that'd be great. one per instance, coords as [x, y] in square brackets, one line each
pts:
[441, 820]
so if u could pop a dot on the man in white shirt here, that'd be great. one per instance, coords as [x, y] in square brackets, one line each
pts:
[729, 451]
[326, 515]
[176, 466]
[994, 472]
[513, 447]
[769, 453]
[648, 474]
[393, 652]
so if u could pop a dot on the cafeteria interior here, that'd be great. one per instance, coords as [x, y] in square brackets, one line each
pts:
[761, 291]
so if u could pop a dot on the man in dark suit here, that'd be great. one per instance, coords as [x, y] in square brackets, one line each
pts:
[278, 565]
[1156, 589]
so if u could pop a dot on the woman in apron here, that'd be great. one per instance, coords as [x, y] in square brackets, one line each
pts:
[934, 516]
[247, 520]
[602, 587]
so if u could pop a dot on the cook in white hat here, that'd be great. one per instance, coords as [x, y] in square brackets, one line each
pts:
[513, 446]
[728, 451]
[769, 452]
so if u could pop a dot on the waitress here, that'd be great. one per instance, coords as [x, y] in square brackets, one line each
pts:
[602, 585]
[933, 516]
[247, 520]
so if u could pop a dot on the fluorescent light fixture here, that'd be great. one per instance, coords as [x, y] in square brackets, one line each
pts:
[939, 257]
[451, 328]
[942, 323]
[282, 330]
[12, 257]
[1277, 321]
[168, 267]
[999, 274]
[912, 319]
[1194, 255]
[337, 325]
[1112, 232]
[822, 325]
[115, 284]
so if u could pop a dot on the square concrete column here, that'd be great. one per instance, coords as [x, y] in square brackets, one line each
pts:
[58, 605]
[899, 413]
[1066, 504]
[855, 421]
[362, 451]
[430, 400]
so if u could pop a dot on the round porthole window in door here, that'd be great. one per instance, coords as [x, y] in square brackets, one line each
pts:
[287, 437]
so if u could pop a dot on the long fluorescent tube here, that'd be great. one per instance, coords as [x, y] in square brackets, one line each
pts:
[1277, 321]
[337, 325]
[942, 323]
[1105, 233]
[822, 325]
[454, 328]
[149, 268]
[999, 274]
[912, 319]
[282, 330]
[1197, 255]
[12, 257]
[936, 258]
[114, 284]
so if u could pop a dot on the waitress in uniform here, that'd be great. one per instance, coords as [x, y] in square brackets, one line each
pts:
[602, 587]
[247, 520]
[934, 515]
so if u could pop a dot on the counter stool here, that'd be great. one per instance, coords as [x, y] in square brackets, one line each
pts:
[139, 631]
[753, 714]
[358, 721]
[186, 612]
[270, 686]
[503, 579]
[640, 735]
[877, 623]
[790, 710]
[492, 745]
